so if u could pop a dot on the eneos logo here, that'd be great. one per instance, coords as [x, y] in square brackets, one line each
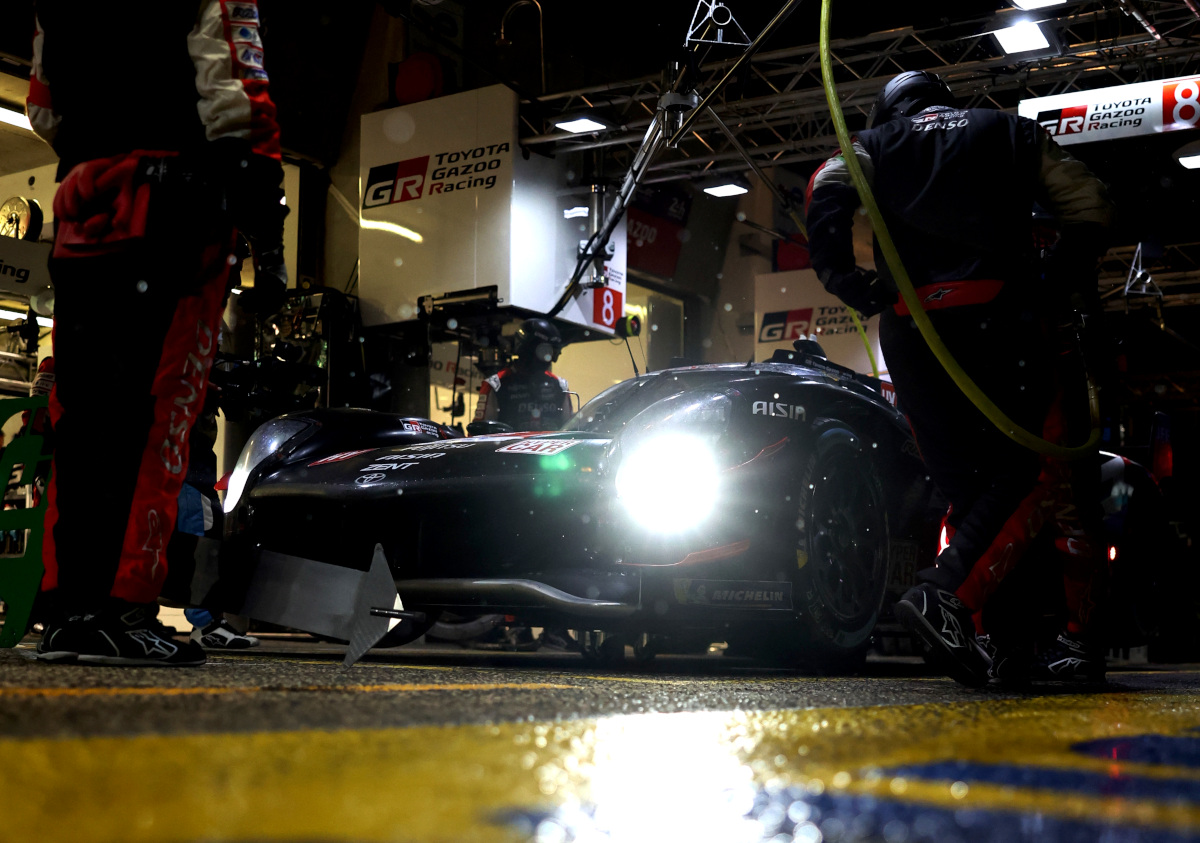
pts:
[1063, 121]
[785, 325]
[399, 182]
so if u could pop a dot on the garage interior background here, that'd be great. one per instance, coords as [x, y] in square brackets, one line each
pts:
[695, 280]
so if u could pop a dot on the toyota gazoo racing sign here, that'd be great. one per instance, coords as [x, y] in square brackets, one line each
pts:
[1144, 108]
[442, 172]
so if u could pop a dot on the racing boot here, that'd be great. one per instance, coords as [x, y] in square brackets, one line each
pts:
[1010, 665]
[1069, 658]
[943, 624]
[121, 634]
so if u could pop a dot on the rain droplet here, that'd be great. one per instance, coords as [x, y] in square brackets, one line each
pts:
[654, 327]
[451, 323]
[398, 261]
[728, 307]
[142, 286]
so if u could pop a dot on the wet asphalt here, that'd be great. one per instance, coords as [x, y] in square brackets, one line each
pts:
[437, 708]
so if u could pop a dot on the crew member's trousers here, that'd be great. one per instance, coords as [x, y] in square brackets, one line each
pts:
[1002, 494]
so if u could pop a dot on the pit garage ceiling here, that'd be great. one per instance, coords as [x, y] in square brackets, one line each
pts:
[609, 58]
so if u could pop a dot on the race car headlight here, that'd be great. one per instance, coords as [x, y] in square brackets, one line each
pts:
[668, 476]
[264, 443]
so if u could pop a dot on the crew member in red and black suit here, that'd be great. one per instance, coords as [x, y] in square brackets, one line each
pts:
[956, 188]
[526, 395]
[155, 176]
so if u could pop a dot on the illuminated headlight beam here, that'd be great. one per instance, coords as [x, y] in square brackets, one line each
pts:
[669, 483]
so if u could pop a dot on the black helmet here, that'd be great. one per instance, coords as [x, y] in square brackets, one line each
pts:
[908, 93]
[537, 341]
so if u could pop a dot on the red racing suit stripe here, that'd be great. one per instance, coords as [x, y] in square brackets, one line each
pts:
[226, 48]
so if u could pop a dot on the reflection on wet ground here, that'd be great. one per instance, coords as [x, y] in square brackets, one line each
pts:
[285, 745]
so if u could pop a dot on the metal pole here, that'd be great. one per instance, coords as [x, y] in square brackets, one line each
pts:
[779, 18]
[595, 244]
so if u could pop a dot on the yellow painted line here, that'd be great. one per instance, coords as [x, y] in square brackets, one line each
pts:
[137, 691]
[332, 660]
[680, 776]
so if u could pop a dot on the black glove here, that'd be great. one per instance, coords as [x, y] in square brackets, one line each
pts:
[862, 290]
[251, 184]
[270, 283]
[1071, 266]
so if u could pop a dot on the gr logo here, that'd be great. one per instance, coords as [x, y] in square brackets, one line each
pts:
[399, 182]
[1063, 121]
[785, 325]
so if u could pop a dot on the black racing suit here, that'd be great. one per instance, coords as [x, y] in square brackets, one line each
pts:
[155, 175]
[524, 400]
[956, 189]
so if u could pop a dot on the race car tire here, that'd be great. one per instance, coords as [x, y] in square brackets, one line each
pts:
[839, 549]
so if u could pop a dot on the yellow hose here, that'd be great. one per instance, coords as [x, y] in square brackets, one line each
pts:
[973, 393]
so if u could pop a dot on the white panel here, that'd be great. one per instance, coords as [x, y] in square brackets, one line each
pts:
[435, 188]
[1143, 108]
[792, 305]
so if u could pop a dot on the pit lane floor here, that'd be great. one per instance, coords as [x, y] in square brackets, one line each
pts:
[423, 744]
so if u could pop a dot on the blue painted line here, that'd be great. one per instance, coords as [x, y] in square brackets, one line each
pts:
[794, 814]
[1145, 749]
[1054, 779]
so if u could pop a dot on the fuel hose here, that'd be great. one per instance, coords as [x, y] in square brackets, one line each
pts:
[973, 393]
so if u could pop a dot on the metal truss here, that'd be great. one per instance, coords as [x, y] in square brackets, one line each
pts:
[777, 111]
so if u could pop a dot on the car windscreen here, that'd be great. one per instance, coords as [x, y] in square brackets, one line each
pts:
[609, 411]
[612, 409]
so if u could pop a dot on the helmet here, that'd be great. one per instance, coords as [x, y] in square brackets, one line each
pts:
[907, 94]
[537, 340]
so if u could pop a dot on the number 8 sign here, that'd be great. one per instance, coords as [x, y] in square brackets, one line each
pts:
[606, 306]
[1181, 104]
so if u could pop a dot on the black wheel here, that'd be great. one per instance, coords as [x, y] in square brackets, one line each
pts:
[406, 631]
[840, 546]
[459, 628]
[603, 649]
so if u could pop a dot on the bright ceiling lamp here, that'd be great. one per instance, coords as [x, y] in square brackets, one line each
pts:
[1188, 156]
[1022, 37]
[15, 118]
[581, 125]
[44, 321]
[727, 189]
[1030, 5]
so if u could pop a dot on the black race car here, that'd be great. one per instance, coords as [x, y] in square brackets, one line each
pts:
[778, 506]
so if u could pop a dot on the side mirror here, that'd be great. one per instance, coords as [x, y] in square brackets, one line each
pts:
[484, 428]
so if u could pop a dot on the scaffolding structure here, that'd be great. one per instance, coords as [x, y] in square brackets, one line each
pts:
[776, 109]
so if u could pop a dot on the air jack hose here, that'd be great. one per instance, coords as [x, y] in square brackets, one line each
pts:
[973, 393]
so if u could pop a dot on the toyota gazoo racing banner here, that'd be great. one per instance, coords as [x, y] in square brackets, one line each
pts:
[1144, 108]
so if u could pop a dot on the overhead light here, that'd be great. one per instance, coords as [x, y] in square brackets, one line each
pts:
[575, 213]
[15, 118]
[1188, 155]
[1030, 5]
[581, 125]
[728, 189]
[44, 321]
[1022, 37]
